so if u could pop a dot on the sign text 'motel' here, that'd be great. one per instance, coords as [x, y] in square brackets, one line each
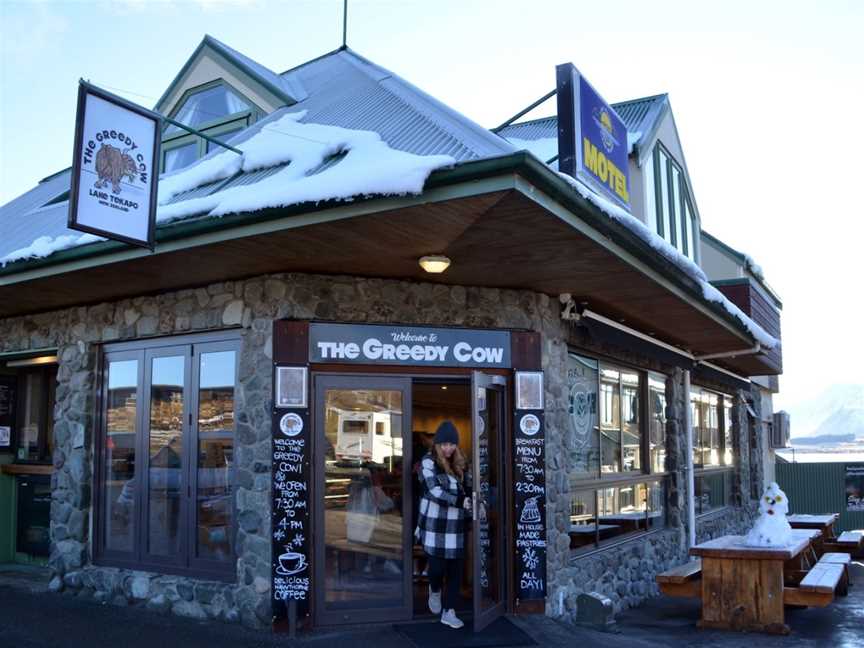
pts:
[592, 139]
[115, 169]
[408, 345]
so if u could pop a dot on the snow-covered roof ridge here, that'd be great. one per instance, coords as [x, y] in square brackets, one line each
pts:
[672, 255]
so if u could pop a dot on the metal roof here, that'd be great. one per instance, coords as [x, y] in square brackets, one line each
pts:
[341, 89]
[639, 115]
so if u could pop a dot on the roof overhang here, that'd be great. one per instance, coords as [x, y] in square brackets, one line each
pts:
[507, 222]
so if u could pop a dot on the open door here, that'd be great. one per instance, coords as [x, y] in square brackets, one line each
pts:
[488, 419]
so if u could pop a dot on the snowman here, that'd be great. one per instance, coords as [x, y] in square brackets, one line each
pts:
[771, 528]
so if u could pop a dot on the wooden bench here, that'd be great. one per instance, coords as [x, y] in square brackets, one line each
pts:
[847, 542]
[683, 581]
[840, 559]
[817, 587]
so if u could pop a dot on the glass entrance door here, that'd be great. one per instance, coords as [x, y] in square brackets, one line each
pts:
[363, 508]
[488, 417]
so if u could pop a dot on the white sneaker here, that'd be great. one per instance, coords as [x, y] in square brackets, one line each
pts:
[449, 618]
[434, 601]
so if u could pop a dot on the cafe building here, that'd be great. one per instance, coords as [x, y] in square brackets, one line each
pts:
[229, 426]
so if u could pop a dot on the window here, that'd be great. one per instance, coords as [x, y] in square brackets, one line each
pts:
[602, 515]
[616, 436]
[713, 454]
[37, 387]
[217, 111]
[165, 456]
[674, 215]
[657, 422]
[205, 106]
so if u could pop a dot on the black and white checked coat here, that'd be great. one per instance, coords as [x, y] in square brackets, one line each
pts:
[442, 523]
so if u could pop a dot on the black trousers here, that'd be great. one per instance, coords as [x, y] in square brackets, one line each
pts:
[449, 570]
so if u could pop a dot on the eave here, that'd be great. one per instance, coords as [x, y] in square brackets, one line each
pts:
[489, 216]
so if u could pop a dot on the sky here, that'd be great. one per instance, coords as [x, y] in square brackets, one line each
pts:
[766, 96]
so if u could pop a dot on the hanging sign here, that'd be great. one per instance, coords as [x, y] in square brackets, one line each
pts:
[592, 138]
[529, 477]
[115, 171]
[408, 345]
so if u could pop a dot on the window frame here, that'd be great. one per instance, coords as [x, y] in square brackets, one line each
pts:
[213, 127]
[48, 374]
[186, 562]
[644, 437]
[676, 207]
[701, 470]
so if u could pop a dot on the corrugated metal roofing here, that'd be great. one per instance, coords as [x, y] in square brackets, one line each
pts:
[639, 115]
[341, 89]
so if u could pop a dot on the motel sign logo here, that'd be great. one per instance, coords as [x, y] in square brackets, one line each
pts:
[592, 139]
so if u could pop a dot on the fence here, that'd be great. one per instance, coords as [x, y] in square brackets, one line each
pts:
[818, 488]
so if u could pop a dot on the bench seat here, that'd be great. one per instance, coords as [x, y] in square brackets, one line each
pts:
[817, 587]
[682, 581]
[851, 538]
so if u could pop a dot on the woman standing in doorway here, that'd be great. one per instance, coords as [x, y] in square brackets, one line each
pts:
[443, 520]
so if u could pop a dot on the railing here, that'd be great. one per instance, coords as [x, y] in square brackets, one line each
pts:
[818, 488]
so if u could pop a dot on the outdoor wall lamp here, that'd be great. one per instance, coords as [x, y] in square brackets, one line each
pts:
[435, 263]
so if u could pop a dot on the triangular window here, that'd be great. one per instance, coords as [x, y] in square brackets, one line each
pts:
[214, 103]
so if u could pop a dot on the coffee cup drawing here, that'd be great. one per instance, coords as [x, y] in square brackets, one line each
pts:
[290, 563]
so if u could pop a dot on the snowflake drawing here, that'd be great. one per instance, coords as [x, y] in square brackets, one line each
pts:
[529, 557]
[298, 540]
[279, 535]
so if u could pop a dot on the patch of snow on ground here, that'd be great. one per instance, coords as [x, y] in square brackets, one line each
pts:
[370, 167]
[544, 148]
[674, 256]
[46, 245]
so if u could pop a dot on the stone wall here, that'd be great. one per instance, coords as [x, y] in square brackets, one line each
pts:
[251, 306]
[624, 573]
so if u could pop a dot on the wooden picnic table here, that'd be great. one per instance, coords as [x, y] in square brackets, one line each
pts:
[742, 586]
[824, 523]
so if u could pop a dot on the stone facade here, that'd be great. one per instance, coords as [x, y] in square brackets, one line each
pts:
[624, 573]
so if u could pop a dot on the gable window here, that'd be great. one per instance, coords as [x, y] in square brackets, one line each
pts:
[617, 437]
[165, 455]
[675, 217]
[215, 110]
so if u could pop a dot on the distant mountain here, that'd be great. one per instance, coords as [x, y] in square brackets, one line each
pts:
[837, 410]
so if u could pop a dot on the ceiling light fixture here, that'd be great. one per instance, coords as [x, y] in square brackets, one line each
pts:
[434, 263]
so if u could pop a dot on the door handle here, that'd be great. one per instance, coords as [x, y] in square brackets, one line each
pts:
[474, 505]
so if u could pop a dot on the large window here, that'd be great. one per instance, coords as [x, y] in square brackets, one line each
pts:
[713, 457]
[166, 455]
[674, 216]
[617, 438]
[215, 110]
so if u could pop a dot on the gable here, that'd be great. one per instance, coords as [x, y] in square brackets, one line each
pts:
[208, 65]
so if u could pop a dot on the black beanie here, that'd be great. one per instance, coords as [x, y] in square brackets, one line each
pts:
[446, 433]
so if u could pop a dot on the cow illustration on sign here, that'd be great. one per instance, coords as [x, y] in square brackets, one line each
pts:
[112, 165]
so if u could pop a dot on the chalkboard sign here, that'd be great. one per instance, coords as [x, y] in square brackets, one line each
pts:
[8, 387]
[529, 478]
[291, 526]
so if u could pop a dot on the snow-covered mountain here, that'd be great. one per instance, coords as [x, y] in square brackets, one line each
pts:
[837, 410]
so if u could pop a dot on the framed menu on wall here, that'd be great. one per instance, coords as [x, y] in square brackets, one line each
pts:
[8, 388]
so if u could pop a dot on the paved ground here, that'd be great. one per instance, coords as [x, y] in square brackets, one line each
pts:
[32, 618]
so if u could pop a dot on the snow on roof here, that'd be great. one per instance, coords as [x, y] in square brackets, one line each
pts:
[47, 245]
[369, 167]
[672, 255]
